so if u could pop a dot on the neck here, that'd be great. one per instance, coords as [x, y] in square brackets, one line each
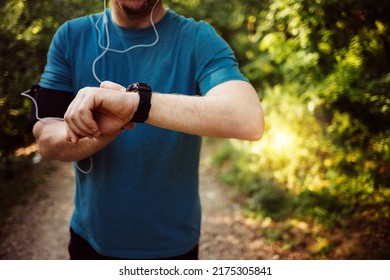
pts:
[138, 22]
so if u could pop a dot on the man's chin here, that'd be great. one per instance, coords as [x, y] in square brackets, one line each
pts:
[136, 9]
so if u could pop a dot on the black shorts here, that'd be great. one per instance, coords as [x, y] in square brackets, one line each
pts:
[79, 249]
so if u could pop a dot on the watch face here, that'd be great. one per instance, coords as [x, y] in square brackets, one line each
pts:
[132, 87]
[139, 87]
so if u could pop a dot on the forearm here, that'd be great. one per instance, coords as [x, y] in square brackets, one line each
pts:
[50, 137]
[224, 112]
[229, 110]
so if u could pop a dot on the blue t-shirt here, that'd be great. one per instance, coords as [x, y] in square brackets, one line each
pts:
[141, 199]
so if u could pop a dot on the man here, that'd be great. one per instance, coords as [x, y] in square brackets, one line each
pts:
[140, 199]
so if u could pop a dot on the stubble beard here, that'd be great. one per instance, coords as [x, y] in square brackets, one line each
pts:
[134, 8]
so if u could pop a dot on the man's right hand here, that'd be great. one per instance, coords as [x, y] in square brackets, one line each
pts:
[100, 111]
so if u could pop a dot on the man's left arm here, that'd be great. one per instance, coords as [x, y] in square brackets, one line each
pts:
[229, 110]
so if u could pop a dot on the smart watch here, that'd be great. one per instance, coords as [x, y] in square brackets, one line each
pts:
[145, 96]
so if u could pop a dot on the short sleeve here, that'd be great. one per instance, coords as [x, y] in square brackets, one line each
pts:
[57, 74]
[216, 61]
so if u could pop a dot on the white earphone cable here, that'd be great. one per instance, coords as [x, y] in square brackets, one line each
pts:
[107, 47]
[25, 93]
[105, 50]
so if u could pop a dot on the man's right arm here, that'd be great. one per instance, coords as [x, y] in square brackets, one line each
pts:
[50, 138]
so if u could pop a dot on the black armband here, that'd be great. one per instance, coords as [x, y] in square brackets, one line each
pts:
[51, 103]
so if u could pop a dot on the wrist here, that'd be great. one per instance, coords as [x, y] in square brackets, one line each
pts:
[106, 138]
[144, 93]
[133, 100]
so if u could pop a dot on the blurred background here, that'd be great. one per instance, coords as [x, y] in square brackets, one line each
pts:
[318, 181]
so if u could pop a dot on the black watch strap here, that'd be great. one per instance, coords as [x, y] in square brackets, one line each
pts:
[145, 96]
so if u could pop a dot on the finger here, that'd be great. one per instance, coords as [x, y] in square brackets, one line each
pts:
[130, 125]
[120, 131]
[112, 85]
[71, 117]
[87, 123]
[71, 136]
[78, 116]
[68, 138]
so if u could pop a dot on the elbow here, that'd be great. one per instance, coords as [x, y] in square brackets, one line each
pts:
[50, 152]
[253, 117]
[47, 146]
[40, 141]
[256, 135]
[253, 129]
[44, 151]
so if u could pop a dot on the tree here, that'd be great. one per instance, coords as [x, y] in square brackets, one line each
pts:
[323, 69]
[26, 29]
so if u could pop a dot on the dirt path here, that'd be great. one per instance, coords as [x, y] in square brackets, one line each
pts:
[38, 229]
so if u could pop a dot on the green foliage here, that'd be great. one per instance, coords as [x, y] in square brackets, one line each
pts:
[26, 30]
[322, 67]
[271, 200]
